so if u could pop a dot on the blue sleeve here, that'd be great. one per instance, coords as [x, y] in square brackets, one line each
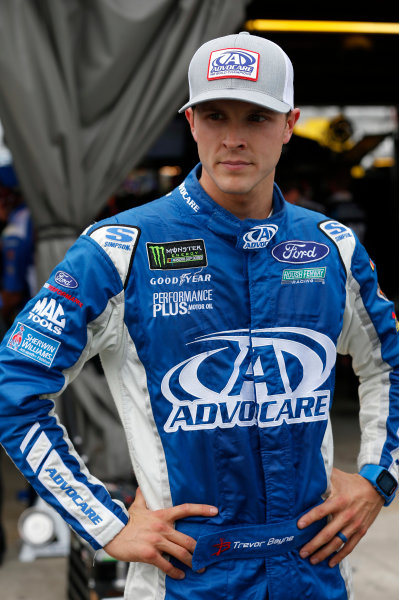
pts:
[44, 349]
[376, 358]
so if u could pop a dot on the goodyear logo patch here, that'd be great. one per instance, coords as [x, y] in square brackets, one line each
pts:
[304, 275]
[186, 254]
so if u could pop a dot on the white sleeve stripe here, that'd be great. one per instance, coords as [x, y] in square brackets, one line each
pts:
[38, 451]
[29, 436]
[78, 500]
[374, 376]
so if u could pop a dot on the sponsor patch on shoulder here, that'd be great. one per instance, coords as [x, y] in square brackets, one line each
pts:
[119, 237]
[119, 242]
[336, 231]
[182, 254]
[33, 345]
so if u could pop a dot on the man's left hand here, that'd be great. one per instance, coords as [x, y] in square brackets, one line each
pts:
[353, 506]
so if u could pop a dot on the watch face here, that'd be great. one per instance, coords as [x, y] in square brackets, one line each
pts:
[386, 482]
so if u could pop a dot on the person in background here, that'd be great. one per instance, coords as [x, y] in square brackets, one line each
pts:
[17, 254]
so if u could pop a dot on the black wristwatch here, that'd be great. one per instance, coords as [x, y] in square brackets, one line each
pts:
[380, 478]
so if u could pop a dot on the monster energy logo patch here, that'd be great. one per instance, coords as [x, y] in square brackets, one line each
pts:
[186, 254]
[302, 275]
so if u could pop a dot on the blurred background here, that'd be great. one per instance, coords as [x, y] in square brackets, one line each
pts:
[89, 93]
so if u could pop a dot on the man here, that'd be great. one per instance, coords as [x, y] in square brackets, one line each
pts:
[217, 311]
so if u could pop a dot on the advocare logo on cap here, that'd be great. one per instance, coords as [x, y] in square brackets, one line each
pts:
[233, 62]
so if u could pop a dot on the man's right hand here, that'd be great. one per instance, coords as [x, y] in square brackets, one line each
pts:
[149, 535]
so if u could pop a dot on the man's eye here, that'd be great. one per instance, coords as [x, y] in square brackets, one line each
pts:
[257, 118]
[215, 116]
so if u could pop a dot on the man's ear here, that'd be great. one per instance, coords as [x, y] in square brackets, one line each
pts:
[190, 118]
[292, 118]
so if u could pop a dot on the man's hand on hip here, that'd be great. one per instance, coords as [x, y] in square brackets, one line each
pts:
[149, 535]
[353, 506]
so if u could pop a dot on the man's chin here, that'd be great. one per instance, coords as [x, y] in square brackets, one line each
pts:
[234, 188]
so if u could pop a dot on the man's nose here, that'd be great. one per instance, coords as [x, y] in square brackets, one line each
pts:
[234, 137]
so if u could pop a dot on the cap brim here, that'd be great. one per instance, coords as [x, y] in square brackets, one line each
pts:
[252, 97]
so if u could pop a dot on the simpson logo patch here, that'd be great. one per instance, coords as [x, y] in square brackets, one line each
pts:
[119, 242]
[186, 254]
[233, 62]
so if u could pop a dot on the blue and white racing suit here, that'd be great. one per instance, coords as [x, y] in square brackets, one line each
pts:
[218, 338]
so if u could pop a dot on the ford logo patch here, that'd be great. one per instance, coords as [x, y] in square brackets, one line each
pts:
[295, 251]
[66, 280]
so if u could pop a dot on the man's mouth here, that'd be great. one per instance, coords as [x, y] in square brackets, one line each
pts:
[234, 164]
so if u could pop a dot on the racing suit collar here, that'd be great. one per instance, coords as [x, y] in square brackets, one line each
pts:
[222, 221]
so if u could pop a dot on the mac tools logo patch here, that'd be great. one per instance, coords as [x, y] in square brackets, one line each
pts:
[48, 314]
[259, 236]
[233, 62]
[272, 377]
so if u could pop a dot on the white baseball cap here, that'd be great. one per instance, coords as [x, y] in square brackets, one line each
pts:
[242, 67]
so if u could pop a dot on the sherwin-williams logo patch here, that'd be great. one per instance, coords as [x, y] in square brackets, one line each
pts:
[304, 275]
[33, 345]
[186, 254]
[233, 62]
[296, 251]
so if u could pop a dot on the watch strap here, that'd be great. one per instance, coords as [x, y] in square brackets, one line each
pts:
[372, 473]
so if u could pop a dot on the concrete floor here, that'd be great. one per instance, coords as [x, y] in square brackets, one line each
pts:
[375, 560]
